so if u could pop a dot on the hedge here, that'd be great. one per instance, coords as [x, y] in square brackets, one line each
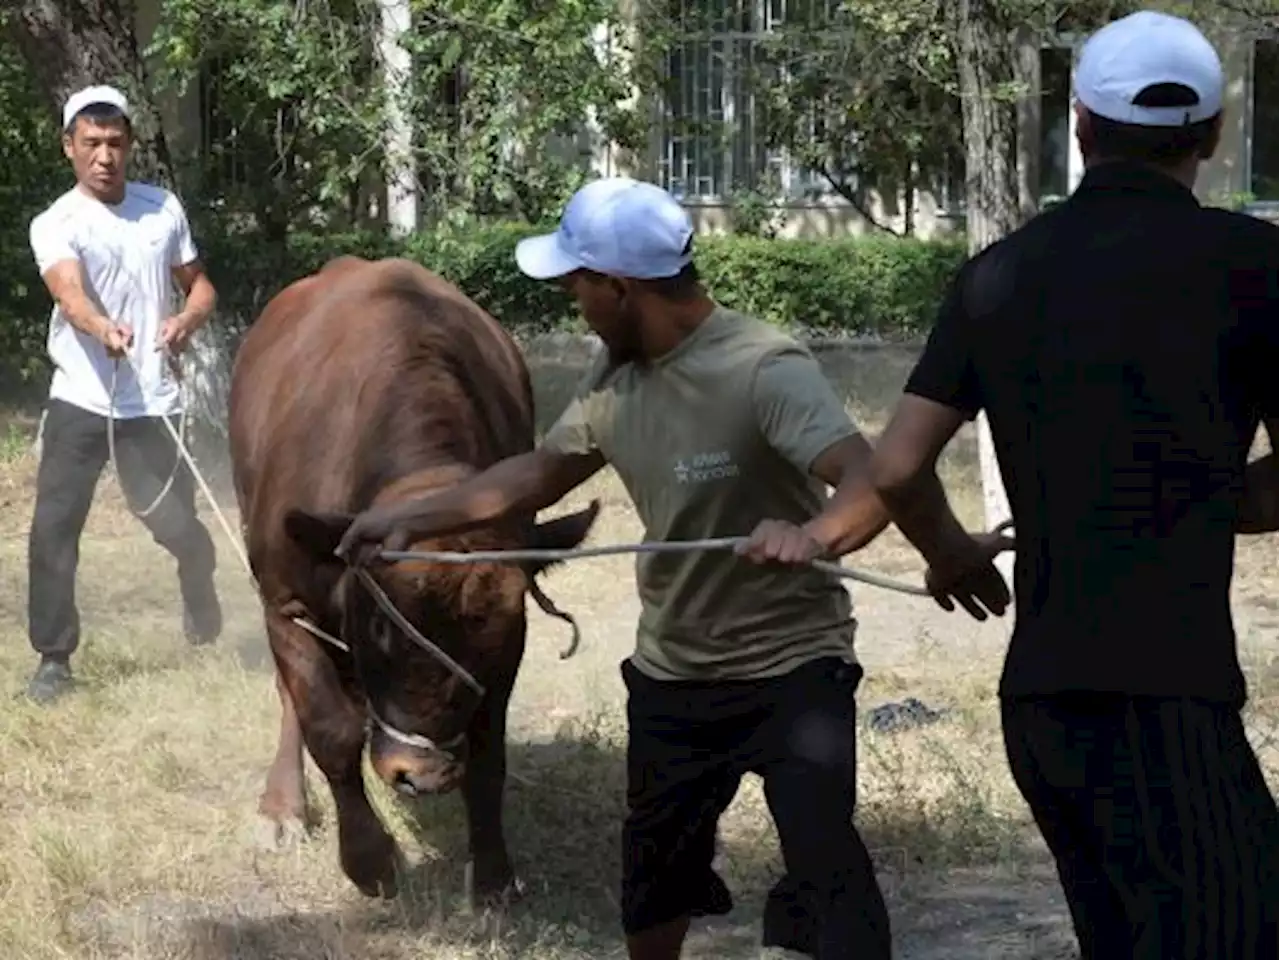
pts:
[886, 287]
[881, 287]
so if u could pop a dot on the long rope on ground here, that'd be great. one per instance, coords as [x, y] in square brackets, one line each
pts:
[648, 546]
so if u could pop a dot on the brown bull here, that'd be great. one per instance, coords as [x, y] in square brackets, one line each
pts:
[369, 383]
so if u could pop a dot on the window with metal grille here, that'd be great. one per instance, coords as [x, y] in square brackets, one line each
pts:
[225, 163]
[713, 141]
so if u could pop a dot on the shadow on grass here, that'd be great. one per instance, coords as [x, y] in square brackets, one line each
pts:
[565, 804]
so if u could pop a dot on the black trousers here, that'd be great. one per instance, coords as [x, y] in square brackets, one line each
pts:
[689, 746]
[73, 455]
[1162, 825]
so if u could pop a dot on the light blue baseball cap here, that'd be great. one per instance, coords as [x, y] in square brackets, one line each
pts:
[615, 226]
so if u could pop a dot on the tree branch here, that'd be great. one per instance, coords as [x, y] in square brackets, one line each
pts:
[850, 196]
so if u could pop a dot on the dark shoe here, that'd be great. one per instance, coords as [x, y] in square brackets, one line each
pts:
[51, 680]
[201, 614]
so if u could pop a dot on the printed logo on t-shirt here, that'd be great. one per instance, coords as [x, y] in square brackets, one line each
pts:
[702, 467]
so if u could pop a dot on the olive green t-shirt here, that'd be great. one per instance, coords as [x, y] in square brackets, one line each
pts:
[709, 440]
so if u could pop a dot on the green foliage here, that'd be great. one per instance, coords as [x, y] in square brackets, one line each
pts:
[863, 93]
[33, 174]
[300, 107]
[501, 94]
[306, 111]
[874, 286]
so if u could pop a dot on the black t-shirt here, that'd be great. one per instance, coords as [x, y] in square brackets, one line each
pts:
[1124, 347]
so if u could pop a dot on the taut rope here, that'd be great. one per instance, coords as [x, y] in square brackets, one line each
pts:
[649, 546]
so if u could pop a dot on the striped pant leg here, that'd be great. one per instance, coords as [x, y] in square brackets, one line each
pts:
[1161, 822]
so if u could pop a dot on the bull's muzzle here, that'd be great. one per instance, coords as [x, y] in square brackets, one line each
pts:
[415, 770]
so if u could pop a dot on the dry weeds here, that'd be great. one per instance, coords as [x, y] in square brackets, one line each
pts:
[130, 807]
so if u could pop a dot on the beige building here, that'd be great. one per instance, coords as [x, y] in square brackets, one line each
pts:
[705, 171]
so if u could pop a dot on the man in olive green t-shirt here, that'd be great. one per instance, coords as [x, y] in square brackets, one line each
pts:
[714, 422]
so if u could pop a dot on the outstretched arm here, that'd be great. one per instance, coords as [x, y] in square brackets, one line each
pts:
[802, 419]
[523, 484]
[904, 473]
[568, 457]
[942, 392]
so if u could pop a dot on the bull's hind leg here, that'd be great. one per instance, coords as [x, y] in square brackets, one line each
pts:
[332, 727]
[283, 804]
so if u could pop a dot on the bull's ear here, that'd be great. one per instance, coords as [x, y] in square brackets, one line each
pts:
[317, 533]
[564, 533]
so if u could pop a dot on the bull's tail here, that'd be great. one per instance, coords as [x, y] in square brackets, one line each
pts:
[563, 533]
[548, 607]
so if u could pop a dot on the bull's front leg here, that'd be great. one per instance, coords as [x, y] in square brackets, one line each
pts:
[332, 726]
[492, 879]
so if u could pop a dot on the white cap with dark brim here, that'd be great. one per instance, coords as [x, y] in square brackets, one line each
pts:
[91, 96]
[1142, 50]
[616, 226]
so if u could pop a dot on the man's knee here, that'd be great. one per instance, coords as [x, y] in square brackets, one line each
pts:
[59, 514]
[666, 871]
[171, 518]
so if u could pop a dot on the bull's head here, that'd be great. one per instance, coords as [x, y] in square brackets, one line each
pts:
[431, 644]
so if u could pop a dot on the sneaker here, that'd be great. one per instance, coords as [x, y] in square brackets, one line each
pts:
[51, 680]
[201, 614]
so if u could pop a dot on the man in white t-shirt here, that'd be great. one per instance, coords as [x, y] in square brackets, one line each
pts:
[111, 252]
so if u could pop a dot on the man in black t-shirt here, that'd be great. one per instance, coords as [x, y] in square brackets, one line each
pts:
[1124, 346]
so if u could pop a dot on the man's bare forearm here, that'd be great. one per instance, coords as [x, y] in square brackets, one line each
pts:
[202, 298]
[921, 511]
[500, 491]
[854, 516]
[522, 484]
[83, 314]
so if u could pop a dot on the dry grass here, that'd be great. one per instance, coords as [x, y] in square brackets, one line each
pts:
[130, 807]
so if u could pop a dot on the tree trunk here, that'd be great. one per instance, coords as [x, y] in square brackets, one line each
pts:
[1027, 59]
[986, 62]
[993, 195]
[69, 44]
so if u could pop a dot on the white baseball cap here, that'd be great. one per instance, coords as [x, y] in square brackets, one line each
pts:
[90, 96]
[615, 226]
[1139, 51]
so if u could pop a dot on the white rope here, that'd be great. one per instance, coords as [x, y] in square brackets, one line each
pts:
[649, 546]
[184, 454]
[111, 440]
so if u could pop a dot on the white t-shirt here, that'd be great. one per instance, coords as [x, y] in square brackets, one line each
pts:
[126, 252]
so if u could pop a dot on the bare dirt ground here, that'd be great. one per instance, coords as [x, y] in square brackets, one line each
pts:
[129, 808]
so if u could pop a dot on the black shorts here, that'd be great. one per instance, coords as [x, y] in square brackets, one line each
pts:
[690, 744]
[1159, 818]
